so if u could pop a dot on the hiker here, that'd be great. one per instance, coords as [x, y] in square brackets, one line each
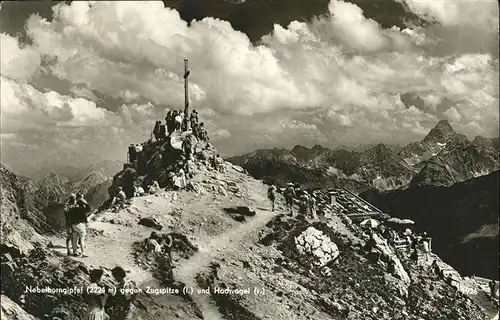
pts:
[68, 213]
[414, 255]
[96, 297]
[152, 243]
[121, 303]
[138, 156]
[289, 196]
[426, 246]
[193, 118]
[180, 180]
[79, 225]
[304, 203]
[371, 243]
[128, 178]
[178, 121]
[215, 163]
[131, 153]
[168, 122]
[435, 267]
[139, 191]
[271, 194]
[162, 134]
[492, 284]
[167, 249]
[187, 148]
[120, 197]
[202, 133]
[219, 164]
[154, 187]
[312, 207]
[190, 168]
[156, 130]
[194, 130]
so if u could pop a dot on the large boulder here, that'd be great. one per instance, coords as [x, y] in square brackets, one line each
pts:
[317, 246]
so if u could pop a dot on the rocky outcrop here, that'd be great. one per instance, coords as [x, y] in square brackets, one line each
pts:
[17, 233]
[314, 243]
[161, 159]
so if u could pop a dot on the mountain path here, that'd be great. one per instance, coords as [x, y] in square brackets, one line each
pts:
[228, 242]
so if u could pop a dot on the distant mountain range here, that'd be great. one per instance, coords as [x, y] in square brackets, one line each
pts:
[108, 168]
[462, 219]
[45, 193]
[442, 158]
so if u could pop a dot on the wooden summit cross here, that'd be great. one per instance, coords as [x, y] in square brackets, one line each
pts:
[186, 95]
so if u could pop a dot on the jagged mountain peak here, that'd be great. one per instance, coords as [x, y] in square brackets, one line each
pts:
[440, 133]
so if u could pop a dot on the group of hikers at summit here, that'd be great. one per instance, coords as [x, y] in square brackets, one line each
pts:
[176, 121]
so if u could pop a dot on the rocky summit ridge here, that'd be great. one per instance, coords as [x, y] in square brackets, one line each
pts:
[241, 260]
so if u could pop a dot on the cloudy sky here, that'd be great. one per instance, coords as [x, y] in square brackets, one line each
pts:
[81, 80]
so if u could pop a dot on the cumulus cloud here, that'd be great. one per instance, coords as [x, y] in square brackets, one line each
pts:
[336, 80]
[17, 63]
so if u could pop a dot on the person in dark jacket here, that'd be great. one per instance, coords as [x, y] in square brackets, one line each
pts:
[79, 225]
[131, 153]
[156, 130]
[69, 208]
[128, 177]
[168, 121]
[493, 285]
[162, 134]
[194, 118]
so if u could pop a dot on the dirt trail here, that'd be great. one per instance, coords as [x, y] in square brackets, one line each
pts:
[217, 248]
[112, 248]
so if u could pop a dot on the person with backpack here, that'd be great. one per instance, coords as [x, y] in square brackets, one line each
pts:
[289, 196]
[271, 194]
